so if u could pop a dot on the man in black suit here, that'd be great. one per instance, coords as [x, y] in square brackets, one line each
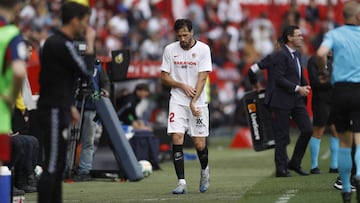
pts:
[287, 99]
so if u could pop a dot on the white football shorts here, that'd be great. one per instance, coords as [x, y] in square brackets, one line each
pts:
[181, 120]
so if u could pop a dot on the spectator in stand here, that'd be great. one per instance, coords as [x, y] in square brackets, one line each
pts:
[127, 105]
[262, 32]
[195, 12]
[250, 54]
[151, 48]
[330, 19]
[229, 11]
[323, 29]
[312, 12]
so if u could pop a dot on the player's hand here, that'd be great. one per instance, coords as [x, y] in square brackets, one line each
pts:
[195, 110]
[304, 90]
[256, 87]
[90, 36]
[75, 116]
[104, 93]
[189, 91]
[324, 79]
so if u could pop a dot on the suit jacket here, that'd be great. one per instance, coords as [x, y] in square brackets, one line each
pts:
[285, 78]
[268, 63]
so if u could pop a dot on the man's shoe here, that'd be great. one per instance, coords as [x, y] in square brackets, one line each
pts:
[204, 179]
[315, 171]
[333, 170]
[82, 177]
[32, 181]
[283, 173]
[180, 189]
[346, 196]
[298, 170]
[338, 185]
[17, 192]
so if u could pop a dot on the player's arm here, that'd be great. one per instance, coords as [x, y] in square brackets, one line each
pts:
[16, 56]
[321, 57]
[199, 87]
[167, 80]
[252, 76]
[18, 68]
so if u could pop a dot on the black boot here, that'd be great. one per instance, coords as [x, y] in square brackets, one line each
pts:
[32, 180]
[17, 192]
[21, 182]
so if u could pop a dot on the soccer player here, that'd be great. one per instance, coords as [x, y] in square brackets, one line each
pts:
[185, 67]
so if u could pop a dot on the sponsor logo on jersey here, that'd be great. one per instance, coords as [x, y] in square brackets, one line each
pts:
[185, 64]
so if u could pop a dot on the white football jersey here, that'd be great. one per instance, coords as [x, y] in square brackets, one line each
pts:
[184, 66]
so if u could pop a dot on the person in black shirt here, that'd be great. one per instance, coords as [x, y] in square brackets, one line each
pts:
[61, 65]
[127, 107]
[321, 107]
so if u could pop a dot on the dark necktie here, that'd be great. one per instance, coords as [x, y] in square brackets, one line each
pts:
[297, 65]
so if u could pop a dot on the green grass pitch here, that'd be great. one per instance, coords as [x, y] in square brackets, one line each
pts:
[237, 175]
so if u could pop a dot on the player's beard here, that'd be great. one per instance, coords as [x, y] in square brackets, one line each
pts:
[186, 44]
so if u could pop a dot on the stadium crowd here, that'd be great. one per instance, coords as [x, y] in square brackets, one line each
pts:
[236, 37]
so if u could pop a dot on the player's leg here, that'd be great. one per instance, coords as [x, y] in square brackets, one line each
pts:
[88, 131]
[334, 148]
[199, 130]
[314, 146]
[321, 113]
[355, 117]
[342, 94]
[176, 129]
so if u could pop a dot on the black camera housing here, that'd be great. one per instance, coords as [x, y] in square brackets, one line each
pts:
[80, 47]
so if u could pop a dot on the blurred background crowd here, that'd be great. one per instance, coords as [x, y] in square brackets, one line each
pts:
[238, 32]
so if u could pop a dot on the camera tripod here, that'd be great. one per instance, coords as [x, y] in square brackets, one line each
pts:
[84, 92]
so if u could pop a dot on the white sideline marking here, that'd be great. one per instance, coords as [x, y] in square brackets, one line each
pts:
[287, 196]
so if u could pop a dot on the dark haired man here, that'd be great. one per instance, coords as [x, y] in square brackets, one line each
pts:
[287, 100]
[61, 65]
[185, 67]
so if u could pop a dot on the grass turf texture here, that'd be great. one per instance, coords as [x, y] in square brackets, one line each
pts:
[237, 175]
